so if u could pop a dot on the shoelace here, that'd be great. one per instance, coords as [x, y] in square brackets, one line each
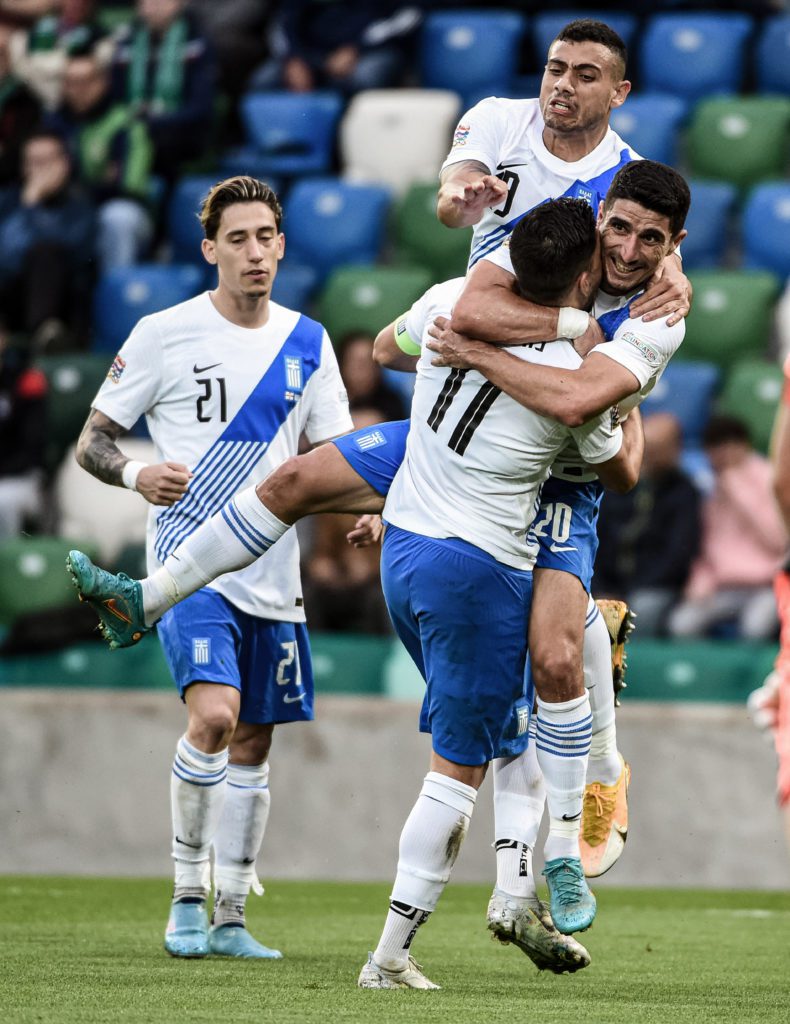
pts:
[568, 882]
[599, 805]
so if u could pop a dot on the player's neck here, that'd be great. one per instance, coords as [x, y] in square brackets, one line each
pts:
[573, 146]
[242, 310]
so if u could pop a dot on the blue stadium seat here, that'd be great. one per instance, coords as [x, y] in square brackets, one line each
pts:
[687, 391]
[546, 26]
[766, 228]
[183, 227]
[712, 205]
[329, 222]
[125, 294]
[294, 285]
[693, 55]
[291, 133]
[470, 51]
[772, 56]
[650, 123]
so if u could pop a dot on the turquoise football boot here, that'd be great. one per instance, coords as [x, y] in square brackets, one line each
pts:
[116, 599]
[187, 930]
[571, 902]
[235, 940]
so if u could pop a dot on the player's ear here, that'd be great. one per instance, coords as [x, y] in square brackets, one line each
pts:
[599, 218]
[208, 250]
[678, 239]
[280, 246]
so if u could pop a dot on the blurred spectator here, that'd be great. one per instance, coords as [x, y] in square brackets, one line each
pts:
[112, 156]
[362, 377]
[649, 537]
[743, 541]
[23, 436]
[330, 44]
[237, 30]
[341, 583]
[39, 53]
[19, 112]
[47, 230]
[164, 67]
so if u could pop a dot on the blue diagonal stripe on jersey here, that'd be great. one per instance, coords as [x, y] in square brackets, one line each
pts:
[611, 321]
[593, 191]
[231, 459]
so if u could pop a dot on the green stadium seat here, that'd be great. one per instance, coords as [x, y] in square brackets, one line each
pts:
[420, 237]
[33, 575]
[741, 139]
[368, 298]
[731, 315]
[751, 392]
[73, 382]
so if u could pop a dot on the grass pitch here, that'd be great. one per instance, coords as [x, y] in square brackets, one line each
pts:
[90, 950]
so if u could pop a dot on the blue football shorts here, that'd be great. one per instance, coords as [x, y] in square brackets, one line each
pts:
[375, 452]
[565, 527]
[206, 639]
[463, 617]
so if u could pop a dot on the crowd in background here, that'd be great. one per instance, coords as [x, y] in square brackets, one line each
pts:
[105, 106]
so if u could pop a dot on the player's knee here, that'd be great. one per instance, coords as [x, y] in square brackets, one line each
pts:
[211, 729]
[286, 492]
[557, 671]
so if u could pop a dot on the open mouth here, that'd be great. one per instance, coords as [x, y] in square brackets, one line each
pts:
[560, 107]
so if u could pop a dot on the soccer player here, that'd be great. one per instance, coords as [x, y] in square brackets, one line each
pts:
[228, 381]
[507, 156]
[457, 560]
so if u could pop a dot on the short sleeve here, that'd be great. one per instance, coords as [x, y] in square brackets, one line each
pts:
[328, 413]
[600, 439]
[134, 380]
[479, 135]
[643, 348]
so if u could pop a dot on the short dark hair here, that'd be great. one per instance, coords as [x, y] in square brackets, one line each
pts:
[722, 429]
[588, 30]
[655, 186]
[550, 246]
[241, 189]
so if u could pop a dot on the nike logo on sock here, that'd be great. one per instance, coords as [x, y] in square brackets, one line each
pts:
[192, 846]
[571, 817]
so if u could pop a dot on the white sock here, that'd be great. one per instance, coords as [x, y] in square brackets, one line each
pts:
[197, 793]
[233, 538]
[519, 798]
[239, 834]
[604, 764]
[563, 743]
[429, 844]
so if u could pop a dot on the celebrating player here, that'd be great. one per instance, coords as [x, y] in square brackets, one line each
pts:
[228, 381]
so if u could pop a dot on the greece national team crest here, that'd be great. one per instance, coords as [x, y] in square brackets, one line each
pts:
[523, 720]
[293, 378]
[370, 439]
[201, 650]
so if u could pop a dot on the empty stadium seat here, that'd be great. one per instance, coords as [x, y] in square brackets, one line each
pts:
[73, 381]
[395, 137]
[125, 294]
[329, 222]
[184, 230]
[470, 51]
[294, 285]
[369, 298]
[694, 54]
[650, 123]
[707, 223]
[686, 390]
[772, 55]
[766, 228]
[752, 390]
[420, 237]
[111, 517]
[33, 575]
[546, 26]
[731, 315]
[742, 139]
[291, 133]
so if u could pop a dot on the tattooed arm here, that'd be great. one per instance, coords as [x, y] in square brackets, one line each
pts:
[98, 453]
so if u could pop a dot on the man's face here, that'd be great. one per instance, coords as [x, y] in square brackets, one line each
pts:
[580, 86]
[247, 249]
[158, 14]
[45, 156]
[634, 241]
[84, 83]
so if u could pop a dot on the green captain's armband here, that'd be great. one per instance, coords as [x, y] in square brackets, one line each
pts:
[404, 340]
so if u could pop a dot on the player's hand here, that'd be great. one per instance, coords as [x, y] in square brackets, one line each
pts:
[452, 349]
[475, 197]
[668, 294]
[592, 336]
[164, 483]
[367, 530]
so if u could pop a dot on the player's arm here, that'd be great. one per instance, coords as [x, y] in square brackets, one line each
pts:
[394, 348]
[466, 190]
[98, 453]
[621, 473]
[668, 294]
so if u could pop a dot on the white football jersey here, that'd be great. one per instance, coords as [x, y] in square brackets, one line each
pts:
[507, 136]
[475, 458]
[230, 403]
